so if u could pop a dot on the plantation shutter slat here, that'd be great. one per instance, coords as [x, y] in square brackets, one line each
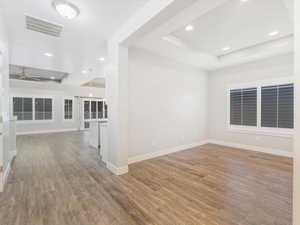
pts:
[236, 107]
[286, 106]
[269, 106]
[249, 110]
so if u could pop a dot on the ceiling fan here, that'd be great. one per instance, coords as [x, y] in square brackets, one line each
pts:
[24, 76]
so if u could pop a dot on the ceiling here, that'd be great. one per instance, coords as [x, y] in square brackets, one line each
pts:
[242, 26]
[82, 41]
[225, 32]
[234, 24]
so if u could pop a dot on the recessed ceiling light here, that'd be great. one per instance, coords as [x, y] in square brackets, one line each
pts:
[52, 78]
[244, 0]
[274, 33]
[91, 95]
[101, 59]
[48, 54]
[189, 28]
[66, 9]
[226, 48]
[84, 71]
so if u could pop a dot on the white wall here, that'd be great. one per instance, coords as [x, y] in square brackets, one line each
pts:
[4, 89]
[58, 92]
[218, 83]
[167, 104]
[296, 200]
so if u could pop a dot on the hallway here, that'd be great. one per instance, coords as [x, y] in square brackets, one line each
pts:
[56, 179]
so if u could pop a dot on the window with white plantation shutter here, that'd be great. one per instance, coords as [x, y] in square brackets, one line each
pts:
[236, 107]
[243, 107]
[43, 109]
[277, 106]
[95, 109]
[23, 108]
[68, 109]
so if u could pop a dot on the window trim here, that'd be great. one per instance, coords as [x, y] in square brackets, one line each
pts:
[33, 108]
[258, 130]
[63, 109]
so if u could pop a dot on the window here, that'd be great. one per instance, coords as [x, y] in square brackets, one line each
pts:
[105, 110]
[243, 107]
[94, 110]
[22, 108]
[100, 110]
[277, 106]
[264, 107]
[68, 109]
[43, 109]
[86, 110]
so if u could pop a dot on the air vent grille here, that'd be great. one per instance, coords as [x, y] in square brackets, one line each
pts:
[43, 26]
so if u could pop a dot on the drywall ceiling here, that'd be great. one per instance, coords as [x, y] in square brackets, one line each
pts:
[244, 26]
[238, 25]
[82, 41]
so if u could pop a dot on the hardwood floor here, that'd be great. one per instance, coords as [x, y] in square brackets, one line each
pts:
[57, 180]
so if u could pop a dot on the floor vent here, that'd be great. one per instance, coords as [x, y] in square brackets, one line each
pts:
[43, 26]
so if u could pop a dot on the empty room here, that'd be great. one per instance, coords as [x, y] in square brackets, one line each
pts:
[149, 112]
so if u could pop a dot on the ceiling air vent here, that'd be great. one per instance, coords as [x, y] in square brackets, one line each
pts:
[43, 26]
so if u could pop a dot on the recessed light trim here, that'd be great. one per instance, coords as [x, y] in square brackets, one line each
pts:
[66, 9]
[227, 48]
[274, 33]
[189, 28]
[48, 54]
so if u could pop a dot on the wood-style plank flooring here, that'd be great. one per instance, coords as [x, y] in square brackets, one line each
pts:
[57, 179]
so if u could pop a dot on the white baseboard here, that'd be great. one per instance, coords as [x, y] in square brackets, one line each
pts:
[117, 170]
[47, 131]
[152, 155]
[252, 148]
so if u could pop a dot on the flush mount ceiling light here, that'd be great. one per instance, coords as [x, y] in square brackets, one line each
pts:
[189, 28]
[226, 48]
[274, 33]
[48, 54]
[66, 9]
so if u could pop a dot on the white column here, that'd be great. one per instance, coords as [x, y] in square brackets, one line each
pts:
[117, 98]
[296, 197]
